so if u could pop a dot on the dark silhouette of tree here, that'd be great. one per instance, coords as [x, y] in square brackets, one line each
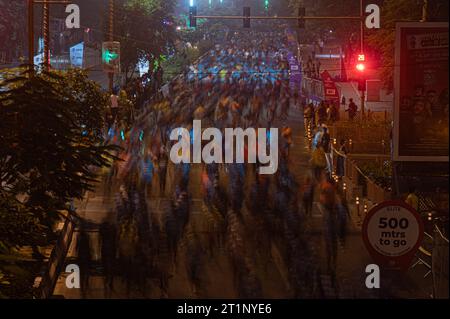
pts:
[392, 11]
[51, 145]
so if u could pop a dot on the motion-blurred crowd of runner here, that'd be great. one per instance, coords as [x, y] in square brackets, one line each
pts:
[243, 82]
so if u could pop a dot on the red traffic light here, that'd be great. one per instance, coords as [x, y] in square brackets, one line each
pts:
[360, 67]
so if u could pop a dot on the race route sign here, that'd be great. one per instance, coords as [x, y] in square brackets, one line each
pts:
[392, 233]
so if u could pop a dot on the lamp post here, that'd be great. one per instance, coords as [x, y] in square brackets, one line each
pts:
[361, 13]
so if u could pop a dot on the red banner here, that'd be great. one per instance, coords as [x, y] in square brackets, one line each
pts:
[330, 90]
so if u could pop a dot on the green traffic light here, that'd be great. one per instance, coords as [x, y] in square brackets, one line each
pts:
[109, 56]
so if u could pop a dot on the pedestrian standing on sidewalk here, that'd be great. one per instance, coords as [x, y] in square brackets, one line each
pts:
[326, 145]
[114, 106]
[334, 113]
[340, 160]
[321, 113]
[412, 199]
[317, 138]
[343, 101]
[352, 110]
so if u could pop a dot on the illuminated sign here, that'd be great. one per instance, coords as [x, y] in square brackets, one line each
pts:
[76, 55]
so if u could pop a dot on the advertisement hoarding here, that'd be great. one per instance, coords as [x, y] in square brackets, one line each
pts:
[421, 92]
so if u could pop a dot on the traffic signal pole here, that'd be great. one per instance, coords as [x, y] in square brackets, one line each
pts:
[31, 37]
[363, 98]
[278, 17]
[111, 38]
[301, 18]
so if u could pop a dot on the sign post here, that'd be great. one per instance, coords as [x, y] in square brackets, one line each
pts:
[392, 233]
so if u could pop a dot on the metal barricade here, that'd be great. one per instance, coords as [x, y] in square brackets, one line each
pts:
[359, 184]
[439, 265]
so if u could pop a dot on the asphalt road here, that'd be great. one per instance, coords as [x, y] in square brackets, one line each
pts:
[216, 278]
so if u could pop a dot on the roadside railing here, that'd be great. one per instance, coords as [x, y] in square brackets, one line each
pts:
[439, 265]
[56, 260]
[357, 183]
[362, 138]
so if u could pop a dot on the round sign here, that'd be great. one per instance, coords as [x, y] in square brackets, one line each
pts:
[392, 233]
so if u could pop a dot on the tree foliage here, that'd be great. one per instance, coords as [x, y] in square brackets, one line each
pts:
[51, 141]
[146, 30]
[383, 39]
[50, 128]
[393, 11]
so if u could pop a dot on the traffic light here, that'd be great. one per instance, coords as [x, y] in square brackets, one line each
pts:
[266, 5]
[247, 17]
[301, 20]
[192, 16]
[111, 57]
[361, 67]
[361, 64]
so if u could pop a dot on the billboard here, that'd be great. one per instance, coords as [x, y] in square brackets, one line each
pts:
[421, 92]
[76, 55]
[295, 78]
